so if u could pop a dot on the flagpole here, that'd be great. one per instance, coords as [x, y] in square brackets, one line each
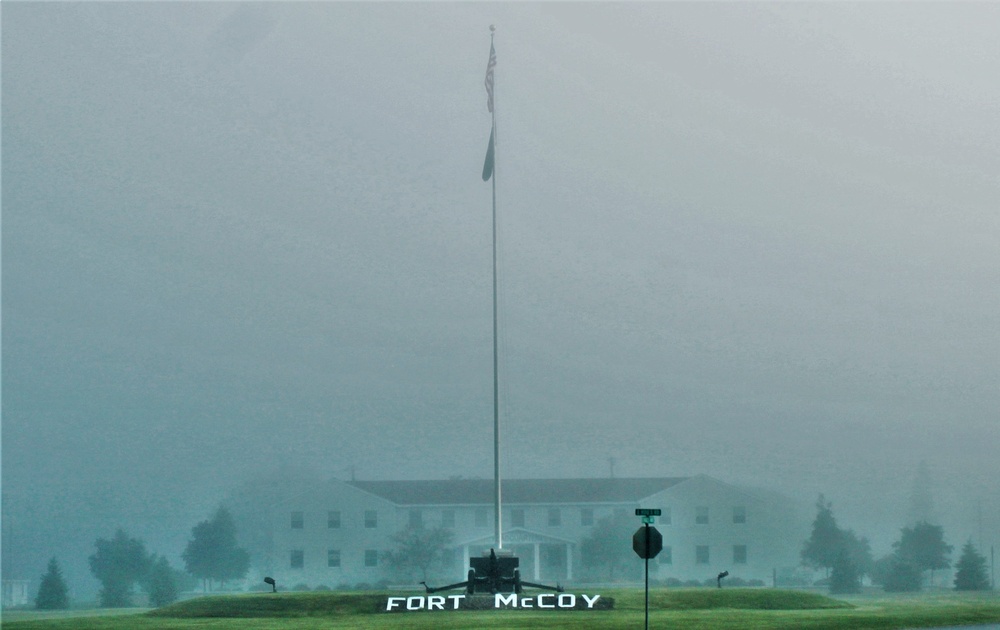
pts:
[496, 378]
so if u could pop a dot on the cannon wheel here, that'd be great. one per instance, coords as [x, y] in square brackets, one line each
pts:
[517, 581]
[471, 587]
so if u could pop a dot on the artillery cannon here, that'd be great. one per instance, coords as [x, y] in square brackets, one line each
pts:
[493, 574]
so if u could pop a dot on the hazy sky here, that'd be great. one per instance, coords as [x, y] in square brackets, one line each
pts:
[758, 241]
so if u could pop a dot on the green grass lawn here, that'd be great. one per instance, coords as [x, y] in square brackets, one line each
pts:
[669, 608]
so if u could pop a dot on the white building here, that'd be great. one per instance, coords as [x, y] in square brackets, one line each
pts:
[15, 593]
[338, 535]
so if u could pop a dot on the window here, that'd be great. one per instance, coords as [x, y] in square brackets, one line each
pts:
[739, 514]
[481, 517]
[701, 554]
[416, 519]
[333, 519]
[371, 557]
[739, 554]
[666, 555]
[448, 518]
[371, 519]
[298, 520]
[701, 515]
[296, 559]
[586, 517]
[517, 517]
[665, 516]
[333, 557]
[555, 517]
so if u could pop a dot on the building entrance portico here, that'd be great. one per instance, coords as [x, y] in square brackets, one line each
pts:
[541, 556]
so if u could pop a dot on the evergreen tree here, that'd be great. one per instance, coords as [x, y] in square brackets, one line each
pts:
[826, 541]
[52, 592]
[212, 552]
[118, 564]
[970, 574]
[161, 584]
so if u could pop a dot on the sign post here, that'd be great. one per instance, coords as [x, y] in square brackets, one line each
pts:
[647, 542]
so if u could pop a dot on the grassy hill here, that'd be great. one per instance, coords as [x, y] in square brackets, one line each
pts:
[704, 608]
[339, 604]
[325, 604]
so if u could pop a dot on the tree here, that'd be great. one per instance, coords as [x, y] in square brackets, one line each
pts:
[845, 576]
[419, 549]
[898, 574]
[161, 583]
[825, 542]
[118, 564]
[923, 545]
[52, 592]
[970, 574]
[609, 544]
[212, 552]
[858, 551]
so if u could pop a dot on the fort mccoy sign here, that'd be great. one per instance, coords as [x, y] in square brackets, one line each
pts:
[498, 601]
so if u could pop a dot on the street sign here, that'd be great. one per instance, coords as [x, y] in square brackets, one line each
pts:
[648, 511]
[647, 542]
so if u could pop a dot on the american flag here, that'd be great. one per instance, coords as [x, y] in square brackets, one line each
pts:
[489, 78]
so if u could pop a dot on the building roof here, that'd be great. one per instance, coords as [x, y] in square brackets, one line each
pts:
[517, 491]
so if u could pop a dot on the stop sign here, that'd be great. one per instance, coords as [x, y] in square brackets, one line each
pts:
[647, 541]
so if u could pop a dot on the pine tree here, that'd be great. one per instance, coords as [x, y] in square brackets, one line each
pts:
[970, 574]
[52, 592]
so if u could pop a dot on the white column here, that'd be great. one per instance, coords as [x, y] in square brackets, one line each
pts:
[465, 559]
[569, 561]
[538, 563]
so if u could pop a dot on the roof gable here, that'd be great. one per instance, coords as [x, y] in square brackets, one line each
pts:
[518, 491]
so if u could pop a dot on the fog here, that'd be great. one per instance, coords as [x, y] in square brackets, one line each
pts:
[756, 241]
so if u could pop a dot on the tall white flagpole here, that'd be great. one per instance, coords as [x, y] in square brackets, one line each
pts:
[498, 520]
